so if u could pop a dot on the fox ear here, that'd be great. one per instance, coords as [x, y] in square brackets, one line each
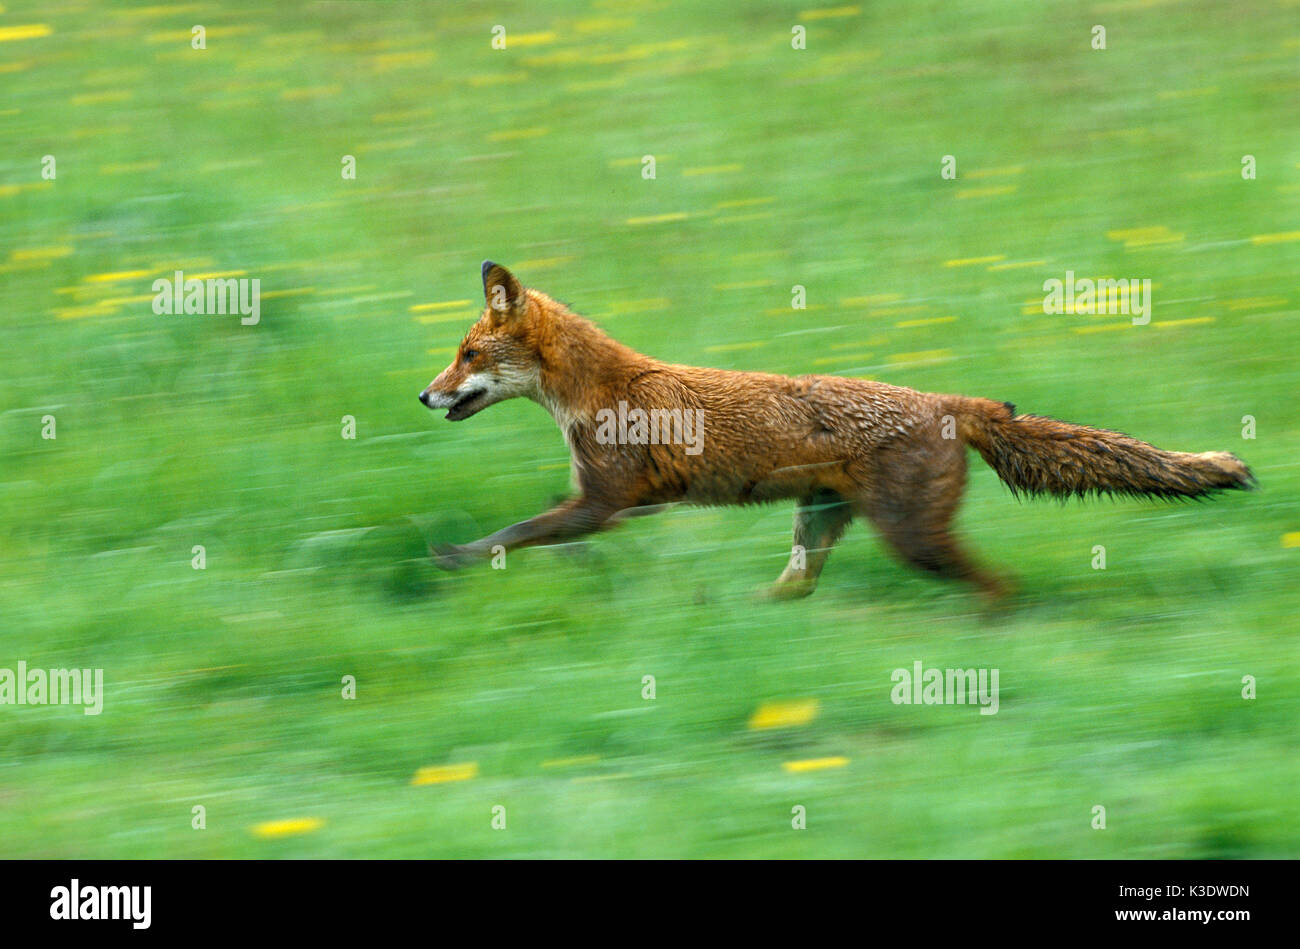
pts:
[503, 292]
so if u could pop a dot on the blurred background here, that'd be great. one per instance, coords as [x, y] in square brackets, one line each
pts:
[774, 167]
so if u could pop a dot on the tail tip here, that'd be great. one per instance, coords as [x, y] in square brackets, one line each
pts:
[1236, 474]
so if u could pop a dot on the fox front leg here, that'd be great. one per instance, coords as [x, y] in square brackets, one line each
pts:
[572, 519]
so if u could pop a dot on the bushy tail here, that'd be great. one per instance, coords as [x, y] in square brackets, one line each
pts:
[1038, 455]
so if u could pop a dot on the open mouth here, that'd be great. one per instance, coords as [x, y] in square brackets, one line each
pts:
[464, 406]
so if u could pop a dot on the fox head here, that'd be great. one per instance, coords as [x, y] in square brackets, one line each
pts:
[497, 359]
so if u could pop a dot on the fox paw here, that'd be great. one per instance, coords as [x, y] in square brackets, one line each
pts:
[998, 596]
[450, 556]
[789, 590]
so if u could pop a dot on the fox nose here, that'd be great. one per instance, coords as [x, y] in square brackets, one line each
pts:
[424, 396]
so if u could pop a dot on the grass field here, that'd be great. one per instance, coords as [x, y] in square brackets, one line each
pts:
[775, 167]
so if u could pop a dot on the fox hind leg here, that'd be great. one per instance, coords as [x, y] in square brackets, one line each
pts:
[912, 501]
[819, 521]
[936, 551]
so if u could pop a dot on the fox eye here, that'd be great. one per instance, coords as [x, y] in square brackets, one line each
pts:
[469, 354]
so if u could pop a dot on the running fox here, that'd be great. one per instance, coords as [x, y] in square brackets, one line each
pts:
[839, 447]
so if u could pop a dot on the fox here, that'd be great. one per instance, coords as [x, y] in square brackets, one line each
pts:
[838, 447]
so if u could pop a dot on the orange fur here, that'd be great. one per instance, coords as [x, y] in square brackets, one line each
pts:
[840, 447]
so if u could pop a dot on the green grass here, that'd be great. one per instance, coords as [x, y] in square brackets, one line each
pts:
[818, 167]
